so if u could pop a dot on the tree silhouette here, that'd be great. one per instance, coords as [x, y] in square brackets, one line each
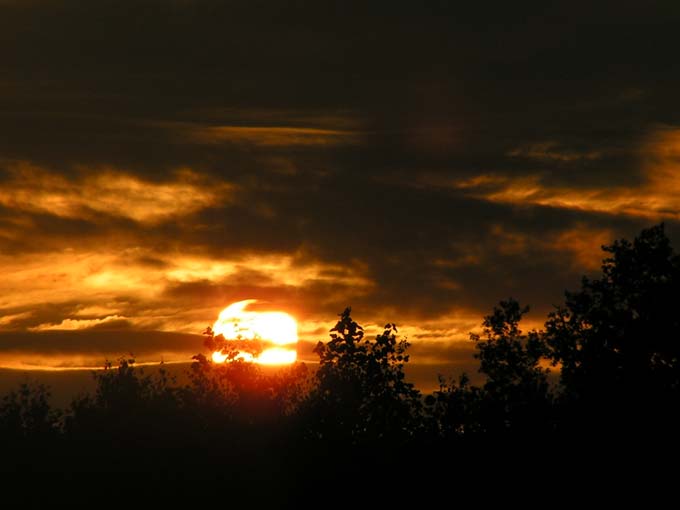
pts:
[615, 343]
[26, 414]
[516, 392]
[232, 347]
[618, 338]
[131, 420]
[361, 392]
[455, 410]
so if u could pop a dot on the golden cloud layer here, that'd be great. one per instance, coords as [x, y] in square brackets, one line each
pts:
[657, 197]
[107, 191]
[96, 282]
[73, 324]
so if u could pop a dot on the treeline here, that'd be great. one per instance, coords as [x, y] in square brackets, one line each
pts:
[603, 371]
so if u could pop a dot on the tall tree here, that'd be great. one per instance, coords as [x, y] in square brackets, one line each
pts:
[617, 339]
[516, 392]
[362, 393]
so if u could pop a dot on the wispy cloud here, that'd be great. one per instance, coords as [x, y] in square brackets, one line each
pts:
[264, 136]
[657, 196]
[8, 319]
[553, 151]
[106, 191]
[72, 324]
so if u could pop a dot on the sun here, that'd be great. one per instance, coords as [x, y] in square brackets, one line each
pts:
[277, 332]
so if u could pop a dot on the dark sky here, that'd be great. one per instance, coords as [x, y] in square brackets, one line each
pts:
[418, 161]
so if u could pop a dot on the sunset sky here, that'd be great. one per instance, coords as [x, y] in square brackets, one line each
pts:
[418, 161]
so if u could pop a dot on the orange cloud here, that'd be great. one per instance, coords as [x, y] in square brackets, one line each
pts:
[87, 289]
[107, 191]
[8, 319]
[552, 151]
[585, 245]
[272, 136]
[72, 324]
[656, 198]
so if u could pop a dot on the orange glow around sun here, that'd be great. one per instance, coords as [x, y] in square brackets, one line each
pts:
[277, 329]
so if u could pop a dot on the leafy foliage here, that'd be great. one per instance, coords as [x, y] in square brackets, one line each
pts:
[516, 393]
[126, 408]
[26, 414]
[623, 328]
[232, 348]
[454, 411]
[361, 391]
[617, 339]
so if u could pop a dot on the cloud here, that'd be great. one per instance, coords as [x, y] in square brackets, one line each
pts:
[94, 291]
[656, 198]
[584, 244]
[72, 324]
[551, 151]
[6, 320]
[90, 348]
[106, 192]
[418, 167]
[268, 136]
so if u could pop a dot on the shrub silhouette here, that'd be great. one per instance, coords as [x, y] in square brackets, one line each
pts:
[25, 414]
[454, 411]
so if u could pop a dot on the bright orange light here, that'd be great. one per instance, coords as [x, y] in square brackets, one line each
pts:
[278, 328]
[277, 356]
